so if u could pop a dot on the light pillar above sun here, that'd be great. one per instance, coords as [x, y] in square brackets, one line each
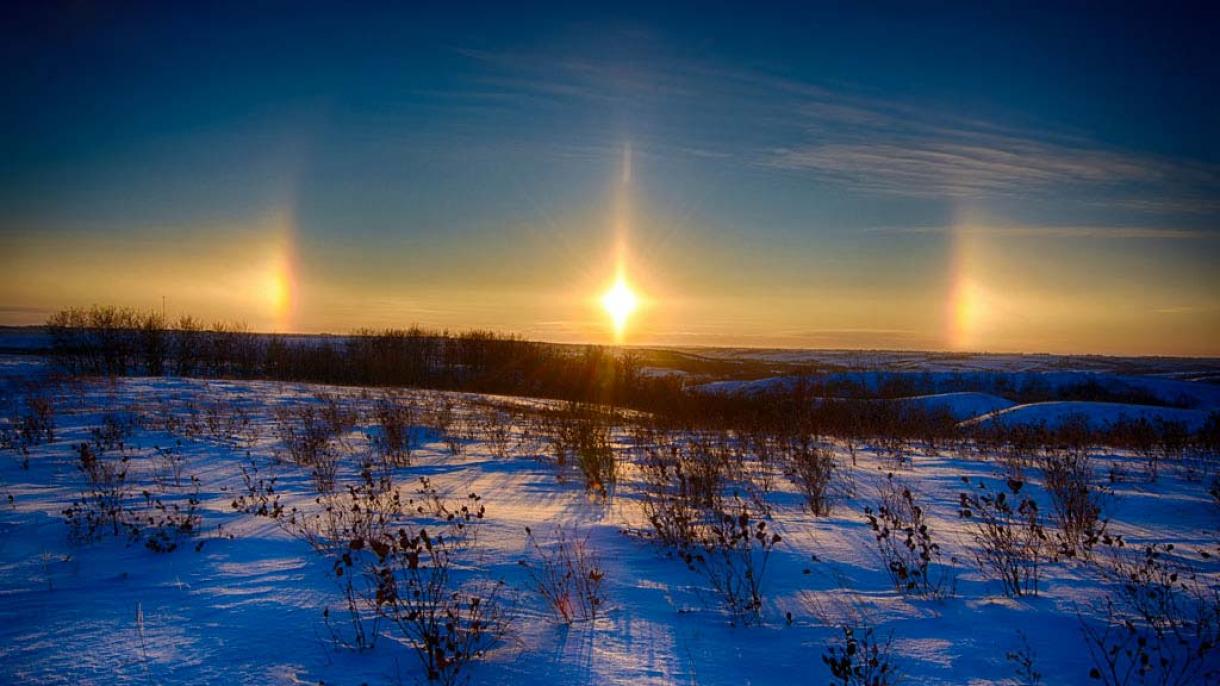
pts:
[620, 301]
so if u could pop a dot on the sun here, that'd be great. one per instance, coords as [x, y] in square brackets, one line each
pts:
[619, 302]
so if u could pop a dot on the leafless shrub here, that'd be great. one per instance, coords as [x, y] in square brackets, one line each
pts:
[168, 464]
[1073, 437]
[165, 522]
[180, 418]
[560, 429]
[935, 427]
[443, 417]
[310, 434]
[567, 574]
[904, 541]
[673, 503]
[494, 427]
[387, 567]
[533, 436]
[767, 459]
[259, 497]
[337, 413]
[108, 503]
[1024, 661]
[893, 446]
[32, 426]
[38, 424]
[428, 501]
[116, 429]
[1163, 627]
[1173, 440]
[581, 433]
[332, 530]
[733, 551]
[448, 624]
[226, 422]
[862, 659]
[811, 468]
[1077, 500]
[1154, 440]
[683, 499]
[595, 457]
[1012, 542]
[103, 504]
[1017, 446]
[395, 417]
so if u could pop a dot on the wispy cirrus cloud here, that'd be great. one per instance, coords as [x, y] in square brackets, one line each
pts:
[860, 141]
[970, 164]
[961, 168]
[1077, 232]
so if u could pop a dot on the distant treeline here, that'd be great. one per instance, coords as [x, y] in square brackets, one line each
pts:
[1017, 387]
[112, 341]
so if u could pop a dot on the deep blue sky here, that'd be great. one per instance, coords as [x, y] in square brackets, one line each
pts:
[804, 175]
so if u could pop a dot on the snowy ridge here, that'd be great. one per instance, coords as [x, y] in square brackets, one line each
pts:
[1096, 415]
[962, 405]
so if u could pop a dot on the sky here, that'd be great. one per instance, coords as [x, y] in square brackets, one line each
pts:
[834, 175]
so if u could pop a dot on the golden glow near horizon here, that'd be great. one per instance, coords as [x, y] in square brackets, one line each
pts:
[642, 277]
[619, 302]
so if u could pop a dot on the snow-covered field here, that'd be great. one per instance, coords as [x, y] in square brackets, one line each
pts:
[242, 601]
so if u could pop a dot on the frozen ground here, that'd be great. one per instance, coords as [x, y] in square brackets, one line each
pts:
[246, 607]
[1097, 415]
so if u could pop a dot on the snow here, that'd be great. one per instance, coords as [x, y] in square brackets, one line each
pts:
[1097, 415]
[246, 608]
[962, 405]
[24, 339]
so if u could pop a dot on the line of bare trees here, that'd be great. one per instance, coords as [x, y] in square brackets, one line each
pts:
[115, 341]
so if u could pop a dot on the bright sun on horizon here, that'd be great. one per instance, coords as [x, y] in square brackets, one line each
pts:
[619, 302]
